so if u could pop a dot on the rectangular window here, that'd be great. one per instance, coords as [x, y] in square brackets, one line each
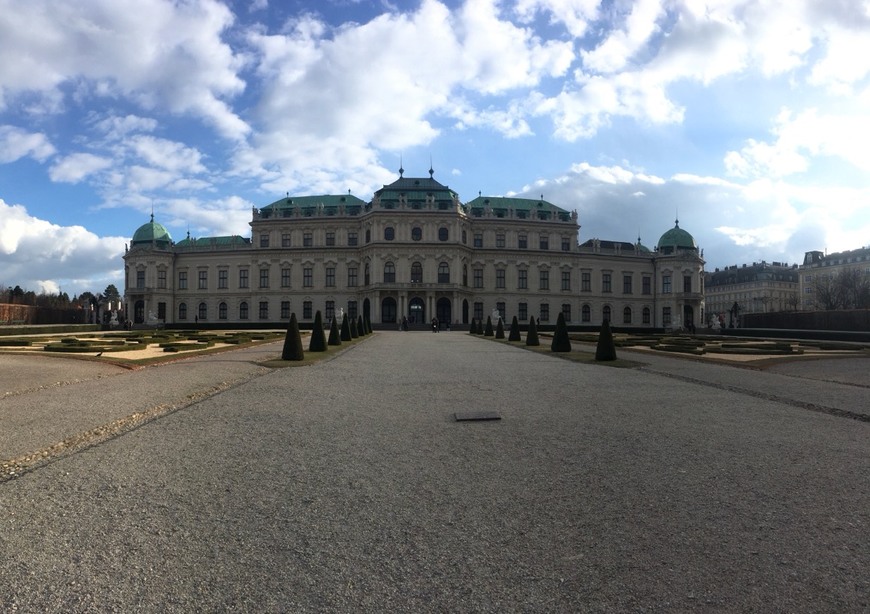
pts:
[264, 278]
[478, 278]
[352, 239]
[499, 278]
[544, 280]
[202, 280]
[352, 310]
[687, 283]
[307, 239]
[308, 277]
[161, 279]
[329, 312]
[566, 280]
[285, 278]
[666, 284]
[478, 311]
[285, 239]
[566, 245]
[666, 316]
[545, 312]
[330, 238]
[522, 279]
[646, 285]
[606, 284]
[478, 239]
[182, 280]
[306, 310]
[140, 280]
[626, 284]
[523, 241]
[243, 278]
[264, 310]
[586, 282]
[264, 240]
[499, 239]
[523, 312]
[330, 277]
[223, 279]
[544, 242]
[566, 311]
[285, 310]
[352, 275]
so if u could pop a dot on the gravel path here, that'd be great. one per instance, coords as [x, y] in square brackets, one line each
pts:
[346, 486]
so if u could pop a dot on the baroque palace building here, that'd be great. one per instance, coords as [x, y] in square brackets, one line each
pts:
[415, 251]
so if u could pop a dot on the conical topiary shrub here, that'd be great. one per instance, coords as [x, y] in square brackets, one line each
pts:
[514, 335]
[361, 326]
[532, 335]
[487, 332]
[345, 329]
[354, 333]
[499, 330]
[334, 336]
[368, 326]
[318, 338]
[606, 349]
[561, 341]
[479, 326]
[292, 341]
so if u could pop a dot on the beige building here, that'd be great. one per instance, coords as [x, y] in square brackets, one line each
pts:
[413, 251]
[757, 288]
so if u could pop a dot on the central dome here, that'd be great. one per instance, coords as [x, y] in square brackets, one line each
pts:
[152, 232]
[676, 239]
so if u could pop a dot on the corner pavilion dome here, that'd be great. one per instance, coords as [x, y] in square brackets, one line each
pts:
[676, 239]
[151, 233]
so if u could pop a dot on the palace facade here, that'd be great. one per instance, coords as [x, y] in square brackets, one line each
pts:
[416, 251]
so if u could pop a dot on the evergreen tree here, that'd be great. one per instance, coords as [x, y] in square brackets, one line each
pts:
[532, 334]
[354, 333]
[487, 332]
[606, 349]
[334, 336]
[345, 329]
[561, 341]
[472, 328]
[318, 337]
[479, 326]
[514, 335]
[292, 341]
[499, 330]
[361, 326]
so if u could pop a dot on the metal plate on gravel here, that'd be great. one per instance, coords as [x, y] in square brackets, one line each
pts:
[474, 416]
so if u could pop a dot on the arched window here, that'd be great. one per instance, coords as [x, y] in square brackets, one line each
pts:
[389, 273]
[222, 311]
[389, 233]
[626, 315]
[368, 276]
[416, 273]
[442, 233]
[182, 311]
[443, 273]
[645, 315]
[203, 311]
[586, 313]
[416, 233]
[465, 273]
[606, 313]
[243, 310]
[368, 235]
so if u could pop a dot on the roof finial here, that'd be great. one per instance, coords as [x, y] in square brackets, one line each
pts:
[431, 170]
[401, 170]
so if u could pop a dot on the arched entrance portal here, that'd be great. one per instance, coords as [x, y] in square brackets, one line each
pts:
[688, 317]
[442, 312]
[464, 311]
[416, 311]
[367, 310]
[139, 312]
[388, 310]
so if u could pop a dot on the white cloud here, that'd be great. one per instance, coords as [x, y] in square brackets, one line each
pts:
[621, 45]
[175, 57]
[75, 167]
[575, 15]
[16, 143]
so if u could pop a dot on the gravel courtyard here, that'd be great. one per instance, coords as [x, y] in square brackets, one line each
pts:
[347, 485]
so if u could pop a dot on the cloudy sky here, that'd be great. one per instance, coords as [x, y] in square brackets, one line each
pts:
[748, 120]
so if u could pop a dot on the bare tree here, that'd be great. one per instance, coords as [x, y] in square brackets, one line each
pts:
[848, 289]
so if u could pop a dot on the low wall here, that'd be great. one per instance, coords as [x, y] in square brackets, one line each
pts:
[835, 320]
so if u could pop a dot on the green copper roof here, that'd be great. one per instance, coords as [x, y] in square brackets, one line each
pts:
[213, 242]
[523, 207]
[152, 232]
[675, 239]
[325, 200]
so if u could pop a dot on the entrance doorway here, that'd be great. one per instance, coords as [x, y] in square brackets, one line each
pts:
[688, 317]
[139, 312]
[388, 310]
[442, 311]
[416, 311]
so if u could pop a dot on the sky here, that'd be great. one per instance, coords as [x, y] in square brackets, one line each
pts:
[748, 121]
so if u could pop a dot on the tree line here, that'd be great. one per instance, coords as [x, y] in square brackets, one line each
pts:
[18, 296]
[847, 289]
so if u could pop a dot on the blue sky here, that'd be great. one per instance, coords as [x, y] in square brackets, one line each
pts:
[748, 120]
